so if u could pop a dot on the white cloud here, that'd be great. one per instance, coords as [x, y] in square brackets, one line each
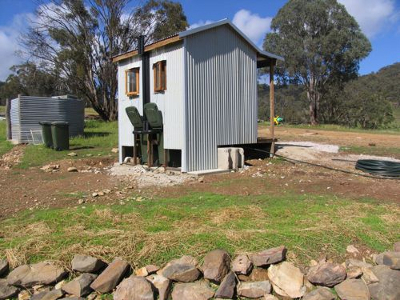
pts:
[200, 23]
[252, 25]
[9, 44]
[372, 15]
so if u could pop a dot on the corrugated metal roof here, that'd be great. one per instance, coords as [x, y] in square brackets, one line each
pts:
[196, 30]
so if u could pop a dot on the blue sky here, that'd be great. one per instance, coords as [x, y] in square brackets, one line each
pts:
[379, 19]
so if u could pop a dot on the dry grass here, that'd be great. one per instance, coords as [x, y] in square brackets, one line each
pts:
[159, 230]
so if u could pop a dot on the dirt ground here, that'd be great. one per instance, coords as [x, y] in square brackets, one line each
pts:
[35, 188]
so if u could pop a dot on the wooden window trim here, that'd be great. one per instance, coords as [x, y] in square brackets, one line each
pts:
[135, 70]
[162, 66]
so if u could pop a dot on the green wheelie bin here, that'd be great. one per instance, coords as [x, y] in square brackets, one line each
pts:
[60, 134]
[46, 134]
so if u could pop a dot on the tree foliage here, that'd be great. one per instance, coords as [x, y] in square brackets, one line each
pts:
[321, 43]
[77, 39]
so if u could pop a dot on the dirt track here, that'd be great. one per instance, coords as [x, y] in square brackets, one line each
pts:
[34, 188]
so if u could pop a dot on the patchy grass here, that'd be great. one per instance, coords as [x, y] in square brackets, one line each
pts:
[99, 138]
[2, 109]
[89, 111]
[368, 150]
[5, 145]
[155, 231]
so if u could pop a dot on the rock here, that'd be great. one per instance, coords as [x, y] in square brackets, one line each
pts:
[388, 286]
[181, 270]
[287, 280]
[227, 288]
[392, 260]
[268, 257]
[242, 265]
[321, 293]
[216, 265]
[95, 194]
[254, 290]
[396, 247]
[48, 295]
[72, 298]
[72, 154]
[270, 297]
[41, 273]
[4, 266]
[111, 276]
[114, 150]
[368, 276]
[354, 272]
[142, 272]
[352, 289]
[50, 168]
[134, 288]
[7, 291]
[352, 250]
[326, 274]
[80, 286]
[162, 284]
[255, 275]
[72, 169]
[87, 264]
[378, 259]
[194, 291]
[151, 269]
[60, 284]
[357, 263]
[24, 295]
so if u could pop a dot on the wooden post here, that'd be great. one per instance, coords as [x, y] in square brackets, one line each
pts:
[165, 160]
[272, 104]
[8, 119]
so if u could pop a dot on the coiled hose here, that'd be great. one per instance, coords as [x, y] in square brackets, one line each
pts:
[379, 167]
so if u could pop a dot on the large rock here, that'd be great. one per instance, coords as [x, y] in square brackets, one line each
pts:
[7, 291]
[368, 276]
[257, 274]
[268, 257]
[44, 273]
[162, 284]
[242, 265]
[326, 274]
[227, 288]
[181, 270]
[378, 259]
[352, 289]
[3, 267]
[388, 286]
[287, 280]
[48, 295]
[87, 264]
[80, 286]
[392, 260]
[111, 276]
[216, 265]
[254, 290]
[194, 291]
[321, 293]
[357, 263]
[134, 288]
[354, 272]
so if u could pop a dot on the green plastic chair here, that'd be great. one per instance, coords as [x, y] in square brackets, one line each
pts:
[135, 118]
[153, 116]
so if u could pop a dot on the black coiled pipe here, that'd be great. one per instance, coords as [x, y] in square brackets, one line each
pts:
[379, 167]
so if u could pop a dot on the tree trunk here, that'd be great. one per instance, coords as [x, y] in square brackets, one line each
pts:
[313, 97]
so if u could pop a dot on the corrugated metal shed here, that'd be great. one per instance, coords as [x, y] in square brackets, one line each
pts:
[221, 95]
[28, 111]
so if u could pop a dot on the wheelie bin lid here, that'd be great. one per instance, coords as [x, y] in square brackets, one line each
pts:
[60, 123]
[45, 123]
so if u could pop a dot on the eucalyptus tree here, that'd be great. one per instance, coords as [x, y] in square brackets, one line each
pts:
[78, 38]
[322, 45]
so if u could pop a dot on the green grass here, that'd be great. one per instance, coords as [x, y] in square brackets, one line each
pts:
[99, 138]
[2, 109]
[156, 231]
[5, 145]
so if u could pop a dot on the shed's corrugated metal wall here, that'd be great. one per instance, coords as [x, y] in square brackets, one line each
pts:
[221, 95]
[169, 102]
[32, 110]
